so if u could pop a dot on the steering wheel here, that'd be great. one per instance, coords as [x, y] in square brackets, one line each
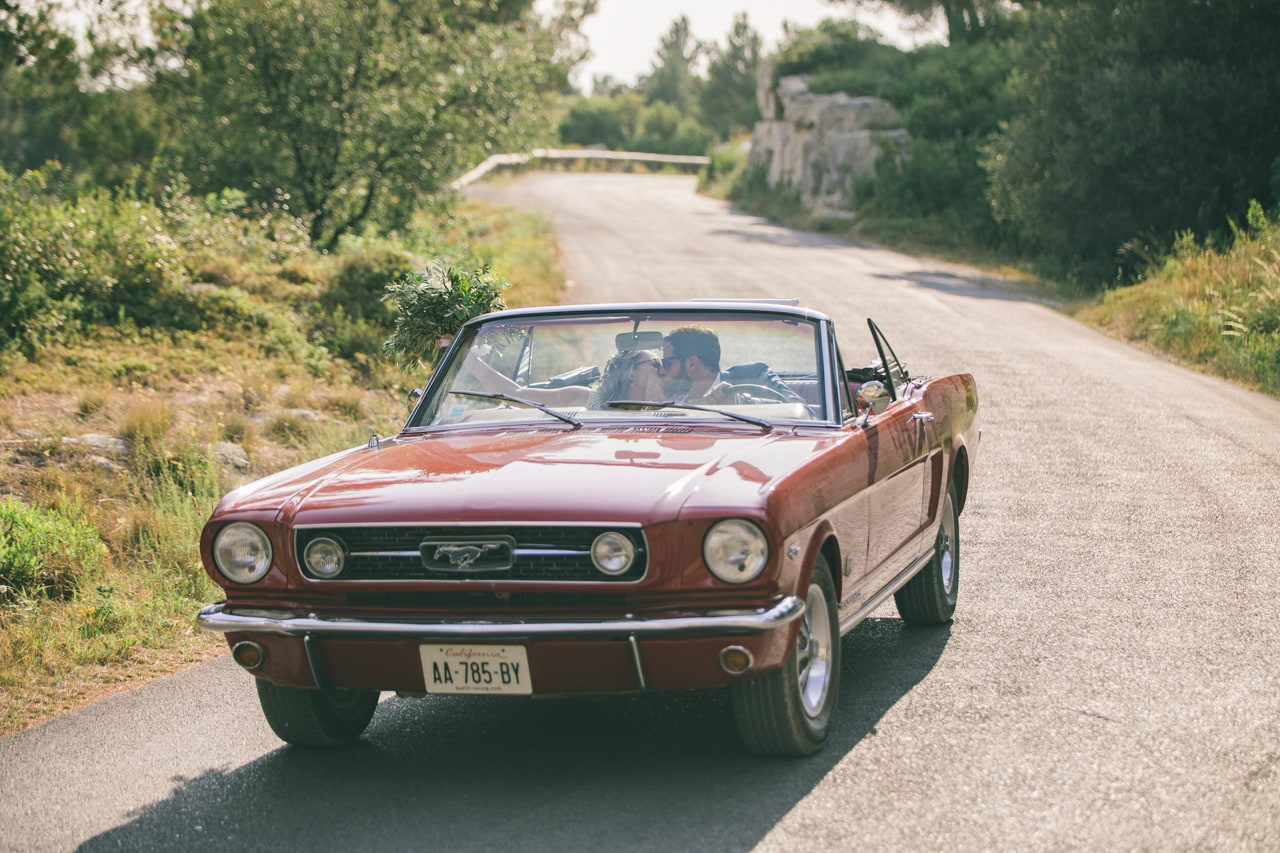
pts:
[771, 394]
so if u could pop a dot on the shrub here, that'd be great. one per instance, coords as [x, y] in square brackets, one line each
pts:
[752, 192]
[362, 280]
[724, 168]
[109, 257]
[663, 130]
[35, 305]
[43, 553]
[351, 316]
[433, 304]
[598, 121]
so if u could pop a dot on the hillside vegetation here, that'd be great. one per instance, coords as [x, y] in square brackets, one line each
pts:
[157, 354]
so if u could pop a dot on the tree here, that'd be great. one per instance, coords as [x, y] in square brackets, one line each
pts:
[966, 19]
[606, 85]
[39, 88]
[728, 99]
[663, 130]
[348, 108]
[598, 120]
[674, 79]
[1138, 119]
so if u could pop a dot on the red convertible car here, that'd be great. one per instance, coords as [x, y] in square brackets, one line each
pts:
[607, 499]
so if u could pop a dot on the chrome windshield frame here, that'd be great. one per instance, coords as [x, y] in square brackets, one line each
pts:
[687, 310]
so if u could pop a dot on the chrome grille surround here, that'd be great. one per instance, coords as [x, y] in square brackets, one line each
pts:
[542, 552]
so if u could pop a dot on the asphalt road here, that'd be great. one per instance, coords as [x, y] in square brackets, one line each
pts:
[1110, 679]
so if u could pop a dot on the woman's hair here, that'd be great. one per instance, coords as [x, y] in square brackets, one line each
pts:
[618, 369]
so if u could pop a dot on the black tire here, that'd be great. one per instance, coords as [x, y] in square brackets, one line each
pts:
[781, 712]
[929, 598]
[315, 718]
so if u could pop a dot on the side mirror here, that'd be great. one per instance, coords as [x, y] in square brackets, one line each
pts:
[872, 396]
[871, 392]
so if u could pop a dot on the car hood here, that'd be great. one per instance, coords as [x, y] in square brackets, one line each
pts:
[565, 475]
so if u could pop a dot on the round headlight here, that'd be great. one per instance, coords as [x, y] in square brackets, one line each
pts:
[735, 550]
[613, 553]
[324, 557]
[242, 552]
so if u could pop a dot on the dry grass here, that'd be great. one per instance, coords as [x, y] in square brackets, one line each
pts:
[1215, 310]
[521, 248]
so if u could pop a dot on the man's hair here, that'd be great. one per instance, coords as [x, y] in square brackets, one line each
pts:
[695, 340]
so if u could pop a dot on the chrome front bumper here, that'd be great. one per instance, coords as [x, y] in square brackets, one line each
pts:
[217, 617]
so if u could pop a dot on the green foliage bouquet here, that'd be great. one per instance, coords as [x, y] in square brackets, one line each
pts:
[432, 304]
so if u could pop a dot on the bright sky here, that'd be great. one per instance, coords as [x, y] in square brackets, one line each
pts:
[624, 34]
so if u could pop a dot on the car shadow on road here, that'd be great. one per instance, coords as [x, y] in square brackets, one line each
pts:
[757, 229]
[657, 771]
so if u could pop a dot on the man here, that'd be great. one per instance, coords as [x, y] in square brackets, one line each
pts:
[691, 367]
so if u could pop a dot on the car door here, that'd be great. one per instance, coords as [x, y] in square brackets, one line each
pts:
[850, 517]
[899, 469]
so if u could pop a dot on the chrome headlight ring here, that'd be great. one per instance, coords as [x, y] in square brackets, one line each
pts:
[242, 552]
[613, 553]
[735, 550]
[325, 557]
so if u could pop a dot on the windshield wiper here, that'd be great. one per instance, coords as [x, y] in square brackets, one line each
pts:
[519, 401]
[767, 426]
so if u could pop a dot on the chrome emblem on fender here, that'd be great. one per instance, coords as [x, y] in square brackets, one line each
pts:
[478, 554]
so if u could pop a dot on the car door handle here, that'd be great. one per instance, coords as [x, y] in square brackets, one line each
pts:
[923, 417]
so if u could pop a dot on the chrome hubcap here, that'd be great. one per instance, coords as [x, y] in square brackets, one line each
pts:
[946, 545]
[813, 652]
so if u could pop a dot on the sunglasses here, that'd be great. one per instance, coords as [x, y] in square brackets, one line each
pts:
[670, 360]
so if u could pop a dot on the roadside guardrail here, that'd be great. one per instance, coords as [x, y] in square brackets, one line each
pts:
[499, 160]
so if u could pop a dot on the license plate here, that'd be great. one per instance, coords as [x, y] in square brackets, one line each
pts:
[476, 669]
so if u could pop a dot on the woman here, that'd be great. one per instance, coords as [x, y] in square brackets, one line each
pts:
[629, 375]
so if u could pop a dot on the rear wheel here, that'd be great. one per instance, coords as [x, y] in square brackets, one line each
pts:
[313, 717]
[929, 598]
[789, 711]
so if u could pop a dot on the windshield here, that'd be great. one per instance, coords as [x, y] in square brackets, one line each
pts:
[760, 365]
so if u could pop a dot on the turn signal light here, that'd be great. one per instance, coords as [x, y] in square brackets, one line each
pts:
[249, 655]
[735, 660]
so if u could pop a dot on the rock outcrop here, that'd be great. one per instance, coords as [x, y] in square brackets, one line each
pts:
[819, 144]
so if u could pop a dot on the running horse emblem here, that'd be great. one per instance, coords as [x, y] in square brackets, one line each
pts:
[463, 556]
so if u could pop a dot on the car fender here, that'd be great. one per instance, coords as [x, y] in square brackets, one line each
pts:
[816, 540]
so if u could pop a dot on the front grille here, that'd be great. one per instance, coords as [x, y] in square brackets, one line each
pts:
[490, 602]
[541, 552]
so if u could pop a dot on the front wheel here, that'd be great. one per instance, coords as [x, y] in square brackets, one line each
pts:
[929, 598]
[789, 711]
[313, 717]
